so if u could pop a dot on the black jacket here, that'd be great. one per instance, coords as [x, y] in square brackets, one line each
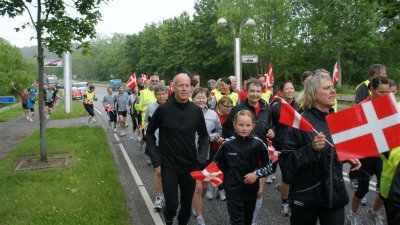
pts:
[239, 156]
[317, 179]
[263, 121]
[280, 129]
[178, 124]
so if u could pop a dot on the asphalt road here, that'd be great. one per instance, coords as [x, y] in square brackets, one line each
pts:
[136, 177]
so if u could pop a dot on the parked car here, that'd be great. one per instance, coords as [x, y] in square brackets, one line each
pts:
[78, 89]
[60, 84]
[114, 84]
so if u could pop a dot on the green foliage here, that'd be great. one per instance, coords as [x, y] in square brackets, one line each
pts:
[87, 191]
[12, 68]
[11, 113]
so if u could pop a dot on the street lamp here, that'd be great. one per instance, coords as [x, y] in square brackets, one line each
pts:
[222, 23]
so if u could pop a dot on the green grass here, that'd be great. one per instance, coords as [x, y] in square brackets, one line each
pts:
[59, 113]
[11, 113]
[87, 191]
[346, 89]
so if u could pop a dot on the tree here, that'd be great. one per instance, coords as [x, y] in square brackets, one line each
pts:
[55, 28]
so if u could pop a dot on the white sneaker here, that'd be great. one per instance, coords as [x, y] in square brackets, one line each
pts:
[273, 177]
[285, 209]
[268, 180]
[94, 120]
[131, 137]
[200, 220]
[194, 212]
[148, 161]
[139, 138]
[30, 119]
[364, 201]
[27, 118]
[375, 218]
[122, 134]
[159, 202]
[210, 192]
[221, 195]
[115, 130]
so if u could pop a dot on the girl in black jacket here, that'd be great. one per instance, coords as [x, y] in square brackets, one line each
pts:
[243, 159]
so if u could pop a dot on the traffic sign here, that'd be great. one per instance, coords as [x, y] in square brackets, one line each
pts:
[7, 99]
[53, 62]
[249, 58]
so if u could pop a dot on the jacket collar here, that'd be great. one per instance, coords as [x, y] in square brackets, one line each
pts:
[261, 102]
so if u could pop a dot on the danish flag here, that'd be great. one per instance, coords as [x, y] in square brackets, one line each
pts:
[366, 129]
[335, 74]
[210, 173]
[108, 107]
[273, 154]
[292, 118]
[145, 77]
[131, 81]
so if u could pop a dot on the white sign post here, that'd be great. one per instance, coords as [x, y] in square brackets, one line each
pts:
[67, 82]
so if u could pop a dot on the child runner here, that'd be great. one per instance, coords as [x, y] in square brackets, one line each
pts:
[88, 98]
[243, 159]
[108, 104]
[121, 99]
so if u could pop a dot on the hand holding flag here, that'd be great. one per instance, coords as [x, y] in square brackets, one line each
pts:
[210, 173]
[131, 81]
[273, 154]
[108, 107]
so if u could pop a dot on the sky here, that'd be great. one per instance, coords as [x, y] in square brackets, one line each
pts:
[118, 16]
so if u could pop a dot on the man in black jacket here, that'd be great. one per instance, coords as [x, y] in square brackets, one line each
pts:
[178, 121]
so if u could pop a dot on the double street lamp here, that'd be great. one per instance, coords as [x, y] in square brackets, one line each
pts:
[222, 23]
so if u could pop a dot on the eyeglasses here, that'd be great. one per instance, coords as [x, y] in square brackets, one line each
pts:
[155, 81]
[227, 106]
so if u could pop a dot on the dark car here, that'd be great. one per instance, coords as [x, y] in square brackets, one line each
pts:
[60, 84]
[114, 84]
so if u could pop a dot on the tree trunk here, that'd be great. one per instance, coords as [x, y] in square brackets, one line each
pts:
[40, 58]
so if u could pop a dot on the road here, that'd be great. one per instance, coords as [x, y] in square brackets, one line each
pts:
[136, 177]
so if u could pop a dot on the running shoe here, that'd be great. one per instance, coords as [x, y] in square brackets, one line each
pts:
[27, 118]
[364, 201]
[375, 218]
[221, 195]
[115, 130]
[352, 219]
[159, 202]
[210, 192]
[354, 183]
[30, 119]
[273, 176]
[148, 161]
[194, 212]
[268, 180]
[285, 209]
[94, 120]
[139, 138]
[122, 134]
[200, 220]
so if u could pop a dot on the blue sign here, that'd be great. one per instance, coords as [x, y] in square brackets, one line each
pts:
[7, 99]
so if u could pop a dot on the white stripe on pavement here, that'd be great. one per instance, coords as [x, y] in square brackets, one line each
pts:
[146, 197]
[98, 111]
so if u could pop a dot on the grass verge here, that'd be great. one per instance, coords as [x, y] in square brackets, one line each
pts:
[87, 191]
[11, 113]
[59, 113]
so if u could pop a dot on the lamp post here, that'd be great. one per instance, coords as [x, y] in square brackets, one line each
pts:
[222, 23]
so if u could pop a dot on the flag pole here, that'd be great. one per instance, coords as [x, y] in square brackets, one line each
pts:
[324, 138]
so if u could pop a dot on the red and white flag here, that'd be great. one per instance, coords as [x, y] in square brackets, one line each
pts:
[210, 173]
[273, 154]
[145, 77]
[108, 107]
[131, 81]
[335, 74]
[292, 118]
[366, 129]
[269, 77]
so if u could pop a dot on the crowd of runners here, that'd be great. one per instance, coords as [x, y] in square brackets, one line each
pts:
[186, 127]
[239, 126]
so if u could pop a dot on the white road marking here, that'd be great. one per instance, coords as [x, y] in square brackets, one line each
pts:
[146, 197]
[98, 111]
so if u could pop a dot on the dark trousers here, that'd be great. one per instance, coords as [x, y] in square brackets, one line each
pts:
[392, 212]
[302, 216]
[89, 109]
[134, 122]
[113, 116]
[172, 179]
[241, 211]
[370, 166]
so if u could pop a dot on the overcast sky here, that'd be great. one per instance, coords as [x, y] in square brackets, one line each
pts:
[119, 16]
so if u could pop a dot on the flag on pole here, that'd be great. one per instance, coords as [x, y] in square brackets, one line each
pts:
[210, 173]
[145, 77]
[131, 81]
[366, 129]
[292, 118]
[335, 74]
[273, 154]
[270, 74]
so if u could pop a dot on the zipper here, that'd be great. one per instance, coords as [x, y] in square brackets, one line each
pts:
[310, 188]
[331, 180]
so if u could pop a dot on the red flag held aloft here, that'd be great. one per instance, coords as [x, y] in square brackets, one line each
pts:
[366, 129]
[335, 74]
[292, 118]
[131, 81]
[210, 173]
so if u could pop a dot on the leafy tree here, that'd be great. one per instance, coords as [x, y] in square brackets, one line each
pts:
[56, 29]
